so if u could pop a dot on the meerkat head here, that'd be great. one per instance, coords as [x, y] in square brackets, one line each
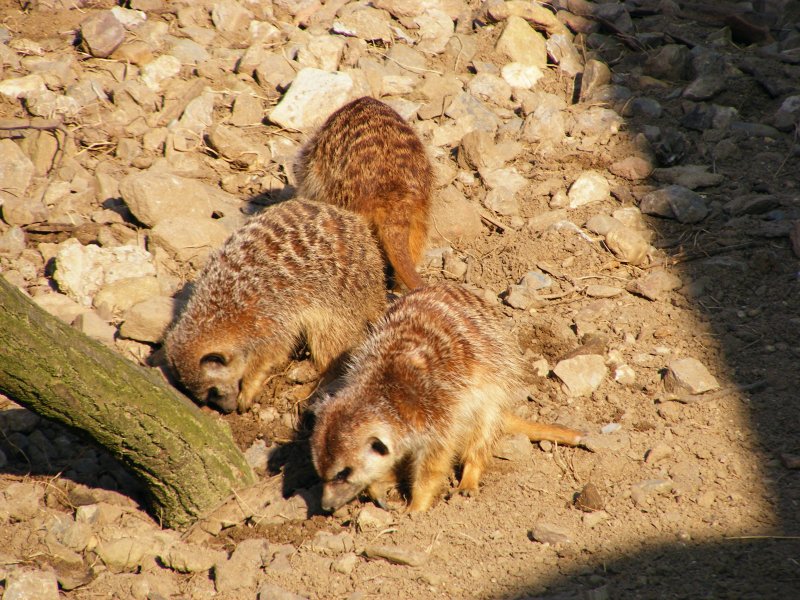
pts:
[351, 448]
[210, 370]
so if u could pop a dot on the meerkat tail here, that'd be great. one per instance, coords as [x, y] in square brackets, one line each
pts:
[538, 432]
[395, 244]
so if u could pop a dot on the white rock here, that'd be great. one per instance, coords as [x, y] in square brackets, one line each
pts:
[322, 52]
[91, 324]
[130, 19]
[198, 115]
[488, 87]
[147, 321]
[16, 169]
[159, 70]
[229, 16]
[191, 558]
[82, 270]
[372, 517]
[590, 186]
[502, 200]
[345, 563]
[153, 196]
[581, 374]
[627, 245]
[22, 87]
[365, 23]
[435, 30]
[125, 553]
[26, 584]
[241, 570]
[313, 95]
[690, 375]
[519, 75]
[508, 178]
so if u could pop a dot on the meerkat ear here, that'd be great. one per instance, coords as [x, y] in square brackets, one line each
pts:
[379, 447]
[214, 358]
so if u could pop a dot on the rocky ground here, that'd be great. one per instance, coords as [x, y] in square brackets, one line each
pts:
[621, 178]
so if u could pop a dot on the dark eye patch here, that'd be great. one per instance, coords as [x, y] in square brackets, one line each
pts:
[214, 358]
[379, 447]
[343, 474]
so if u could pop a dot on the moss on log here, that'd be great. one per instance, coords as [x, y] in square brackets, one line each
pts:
[186, 460]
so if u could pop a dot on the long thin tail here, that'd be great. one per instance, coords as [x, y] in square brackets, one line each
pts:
[537, 432]
[396, 246]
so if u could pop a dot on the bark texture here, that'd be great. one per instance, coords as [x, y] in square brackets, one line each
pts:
[187, 461]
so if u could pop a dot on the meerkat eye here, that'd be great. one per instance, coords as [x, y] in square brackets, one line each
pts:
[343, 474]
[379, 447]
[214, 359]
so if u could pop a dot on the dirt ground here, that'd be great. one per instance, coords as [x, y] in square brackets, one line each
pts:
[728, 523]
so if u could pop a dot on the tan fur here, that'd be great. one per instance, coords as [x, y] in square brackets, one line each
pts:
[431, 386]
[367, 159]
[300, 269]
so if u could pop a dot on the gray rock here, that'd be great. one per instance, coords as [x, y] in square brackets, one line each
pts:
[470, 111]
[649, 108]
[632, 168]
[435, 30]
[669, 62]
[275, 72]
[12, 242]
[398, 555]
[191, 558]
[546, 220]
[502, 200]
[489, 88]
[22, 500]
[322, 52]
[147, 321]
[332, 543]
[788, 114]
[81, 271]
[116, 297]
[596, 122]
[581, 374]
[126, 553]
[364, 22]
[676, 202]
[229, 16]
[746, 129]
[689, 375]
[655, 284]
[257, 456]
[689, 176]
[313, 95]
[16, 171]
[372, 517]
[752, 205]
[704, 87]
[547, 533]
[602, 224]
[153, 196]
[345, 563]
[595, 75]
[27, 584]
[545, 125]
[270, 591]
[561, 47]
[161, 69]
[642, 492]
[25, 87]
[514, 448]
[189, 239]
[189, 52]
[102, 33]
[61, 306]
[602, 291]
[589, 187]
[627, 245]
[91, 324]
[240, 572]
[247, 110]
[453, 218]
[521, 43]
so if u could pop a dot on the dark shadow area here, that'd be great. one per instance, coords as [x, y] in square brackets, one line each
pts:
[742, 279]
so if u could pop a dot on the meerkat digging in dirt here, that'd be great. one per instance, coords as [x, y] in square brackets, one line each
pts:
[367, 159]
[300, 269]
[432, 385]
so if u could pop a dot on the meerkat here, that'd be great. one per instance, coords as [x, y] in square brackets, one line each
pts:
[367, 159]
[299, 269]
[431, 386]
